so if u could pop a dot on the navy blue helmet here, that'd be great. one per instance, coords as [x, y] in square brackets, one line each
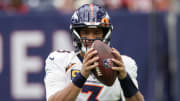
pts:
[90, 16]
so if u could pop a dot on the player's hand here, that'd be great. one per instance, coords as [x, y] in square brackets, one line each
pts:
[89, 62]
[119, 64]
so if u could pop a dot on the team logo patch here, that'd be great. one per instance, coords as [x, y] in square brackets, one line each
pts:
[108, 63]
[74, 73]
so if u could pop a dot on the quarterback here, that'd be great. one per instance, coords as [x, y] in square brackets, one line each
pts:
[68, 73]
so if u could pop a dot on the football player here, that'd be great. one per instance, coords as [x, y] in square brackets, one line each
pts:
[68, 73]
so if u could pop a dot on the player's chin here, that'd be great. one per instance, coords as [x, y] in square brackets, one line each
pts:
[89, 46]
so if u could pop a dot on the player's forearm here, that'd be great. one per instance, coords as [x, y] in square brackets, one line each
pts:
[71, 91]
[137, 97]
[67, 94]
[131, 92]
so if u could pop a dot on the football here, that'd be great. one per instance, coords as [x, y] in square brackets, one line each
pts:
[103, 72]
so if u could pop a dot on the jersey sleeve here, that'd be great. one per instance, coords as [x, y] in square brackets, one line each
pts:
[55, 78]
[131, 68]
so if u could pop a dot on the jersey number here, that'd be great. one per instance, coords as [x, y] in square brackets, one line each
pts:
[94, 91]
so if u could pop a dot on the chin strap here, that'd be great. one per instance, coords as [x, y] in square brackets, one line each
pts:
[84, 50]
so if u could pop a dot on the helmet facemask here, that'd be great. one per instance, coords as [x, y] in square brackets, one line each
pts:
[80, 43]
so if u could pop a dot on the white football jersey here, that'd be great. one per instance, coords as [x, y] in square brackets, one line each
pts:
[62, 67]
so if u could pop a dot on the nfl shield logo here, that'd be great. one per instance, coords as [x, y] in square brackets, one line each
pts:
[108, 63]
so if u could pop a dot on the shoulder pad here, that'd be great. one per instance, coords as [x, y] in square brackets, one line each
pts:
[59, 56]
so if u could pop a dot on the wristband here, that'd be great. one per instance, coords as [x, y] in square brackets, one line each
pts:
[128, 86]
[79, 80]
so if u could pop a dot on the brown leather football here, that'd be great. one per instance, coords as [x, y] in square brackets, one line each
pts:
[103, 72]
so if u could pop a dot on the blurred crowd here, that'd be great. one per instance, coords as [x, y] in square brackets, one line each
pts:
[68, 6]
